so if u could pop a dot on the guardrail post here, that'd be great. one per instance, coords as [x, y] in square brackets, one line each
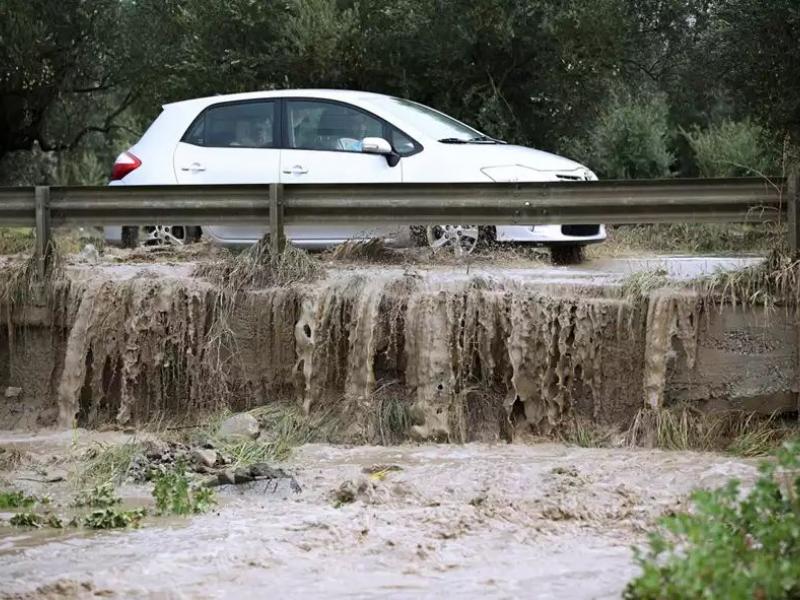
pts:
[277, 239]
[43, 241]
[793, 209]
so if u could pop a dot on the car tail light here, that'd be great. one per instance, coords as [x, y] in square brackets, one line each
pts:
[125, 164]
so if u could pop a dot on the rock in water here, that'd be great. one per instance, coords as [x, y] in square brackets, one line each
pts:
[206, 458]
[238, 427]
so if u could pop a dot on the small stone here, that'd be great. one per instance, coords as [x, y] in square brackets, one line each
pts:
[242, 475]
[206, 458]
[264, 471]
[13, 392]
[241, 426]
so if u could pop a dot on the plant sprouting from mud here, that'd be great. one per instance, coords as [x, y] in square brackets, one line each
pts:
[16, 499]
[685, 427]
[36, 520]
[100, 496]
[112, 517]
[257, 267]
[776, 281]
[107, 464]
[175, 494]
[730, 545]
[639, 285]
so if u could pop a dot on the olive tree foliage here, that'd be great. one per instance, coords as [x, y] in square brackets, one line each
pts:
[86, 75]
[69, 69]
[629, 140]
[733, 148]
[756, 52]
[520, 70]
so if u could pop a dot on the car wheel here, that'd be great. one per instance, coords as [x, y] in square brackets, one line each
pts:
[460, 239]
[130, 236]
[566, 254]
[160, 235]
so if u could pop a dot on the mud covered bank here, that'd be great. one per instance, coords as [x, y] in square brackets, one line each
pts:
[428, 354]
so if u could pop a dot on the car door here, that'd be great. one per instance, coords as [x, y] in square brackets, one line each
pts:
[322, 144]
[232, 142]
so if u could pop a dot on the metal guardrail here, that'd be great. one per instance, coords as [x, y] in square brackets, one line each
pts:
[609, 202]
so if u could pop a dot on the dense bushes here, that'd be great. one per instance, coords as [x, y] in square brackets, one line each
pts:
[731, 149]
[732, 544]
[630, 140]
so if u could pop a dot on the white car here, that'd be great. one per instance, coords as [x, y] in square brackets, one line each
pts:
[335, 136]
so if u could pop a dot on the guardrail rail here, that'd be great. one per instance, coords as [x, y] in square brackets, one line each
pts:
[610, 202]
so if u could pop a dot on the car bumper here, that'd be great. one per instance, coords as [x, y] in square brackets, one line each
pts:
[551, 234]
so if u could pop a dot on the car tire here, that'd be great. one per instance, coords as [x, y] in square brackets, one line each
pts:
[418, 235]
[131, 235]
[487, 236]
[566, 254]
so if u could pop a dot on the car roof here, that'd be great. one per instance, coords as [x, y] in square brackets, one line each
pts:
[344, 95]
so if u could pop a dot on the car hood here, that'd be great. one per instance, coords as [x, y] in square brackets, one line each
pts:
[502, 155]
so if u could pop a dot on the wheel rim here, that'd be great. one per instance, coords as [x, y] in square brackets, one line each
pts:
[165, 235]
[460, 239]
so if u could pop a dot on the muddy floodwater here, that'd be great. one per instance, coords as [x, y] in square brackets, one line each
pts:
[470, 521]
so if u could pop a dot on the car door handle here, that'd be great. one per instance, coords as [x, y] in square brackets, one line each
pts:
[194, 168]
[296, 170]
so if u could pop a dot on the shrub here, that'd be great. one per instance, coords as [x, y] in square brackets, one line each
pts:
[174, 494]
[732, 545]
[113, 518]
[731, 149]
[16, 500]
[629, 141]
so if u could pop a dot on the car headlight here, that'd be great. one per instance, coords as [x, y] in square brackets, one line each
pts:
[519, 173]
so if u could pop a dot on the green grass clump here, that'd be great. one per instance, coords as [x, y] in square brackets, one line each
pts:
[175, 494]
[100, 496]
[685, 427]
[730, 545]
[113, 518]
[581, 432]
[639, 285]
[108, 464]
[395, 419]
[16, 500]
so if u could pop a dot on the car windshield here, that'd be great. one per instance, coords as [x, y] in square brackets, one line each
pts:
[433, 123]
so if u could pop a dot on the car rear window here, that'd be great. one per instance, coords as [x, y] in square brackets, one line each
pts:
[240, 125]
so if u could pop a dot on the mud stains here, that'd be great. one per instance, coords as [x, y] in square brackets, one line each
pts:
[460, 350]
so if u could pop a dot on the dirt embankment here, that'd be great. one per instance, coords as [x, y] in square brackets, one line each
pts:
[438, 355]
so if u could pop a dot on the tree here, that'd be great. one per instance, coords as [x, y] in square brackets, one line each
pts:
[757, 54]
[71, 68]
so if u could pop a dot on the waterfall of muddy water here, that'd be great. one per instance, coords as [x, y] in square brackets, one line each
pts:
[673, 318]
[464, 355]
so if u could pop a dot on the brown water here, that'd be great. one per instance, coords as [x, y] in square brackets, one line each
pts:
[506, 521]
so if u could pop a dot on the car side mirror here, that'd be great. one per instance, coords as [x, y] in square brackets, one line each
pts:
[376, 145]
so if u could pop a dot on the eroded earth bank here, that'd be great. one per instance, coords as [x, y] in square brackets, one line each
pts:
[455, 355]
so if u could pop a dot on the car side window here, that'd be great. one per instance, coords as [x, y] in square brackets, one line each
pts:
[401, 143]
[240, 125]
[328, 126]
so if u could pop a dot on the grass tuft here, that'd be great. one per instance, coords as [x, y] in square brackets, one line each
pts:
[105, 465]
[638, 286]
[688, 428]
[371, 250]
